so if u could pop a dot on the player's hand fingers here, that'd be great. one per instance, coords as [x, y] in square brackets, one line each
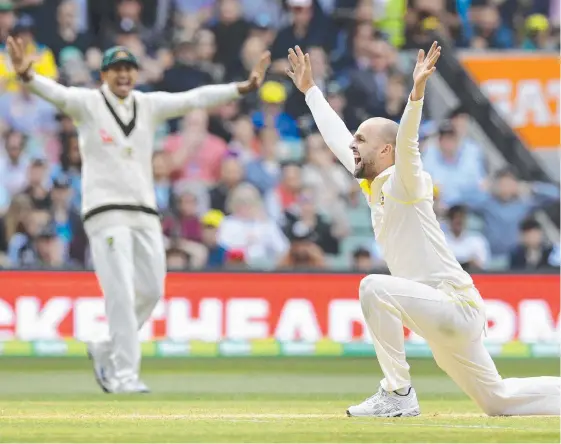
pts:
[293, 59]
[264, 61]
[420, 56]
[300, 55]
[308, 63]
[432, 61]
[432, 49]
[289, 73]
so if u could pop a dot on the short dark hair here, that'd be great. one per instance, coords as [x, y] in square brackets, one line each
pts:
[457, 111]
[530, 224]
[505, 172]
[361, 252]
[456, 210]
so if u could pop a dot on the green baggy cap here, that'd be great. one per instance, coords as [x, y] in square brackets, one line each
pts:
[117, 54]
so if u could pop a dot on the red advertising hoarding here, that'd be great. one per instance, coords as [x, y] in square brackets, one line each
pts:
[247, 306]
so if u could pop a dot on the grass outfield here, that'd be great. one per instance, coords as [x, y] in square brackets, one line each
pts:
[248, 400]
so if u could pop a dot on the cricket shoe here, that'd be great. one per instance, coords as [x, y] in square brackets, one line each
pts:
[387, 405]
[131, 386]
[100, 355]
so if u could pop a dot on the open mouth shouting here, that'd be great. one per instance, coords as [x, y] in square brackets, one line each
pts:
[359, 165]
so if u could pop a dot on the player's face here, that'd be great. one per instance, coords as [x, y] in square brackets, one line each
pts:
[370, 153]
[120, 78]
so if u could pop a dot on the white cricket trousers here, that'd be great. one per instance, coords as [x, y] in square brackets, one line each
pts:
[130, 266]
[452, 322]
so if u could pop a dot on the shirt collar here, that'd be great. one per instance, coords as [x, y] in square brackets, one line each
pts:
[114, 100]
[384, 174]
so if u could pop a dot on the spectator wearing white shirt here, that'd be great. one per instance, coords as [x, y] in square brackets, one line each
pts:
[471, 249]
[14, 163]
[248, 229]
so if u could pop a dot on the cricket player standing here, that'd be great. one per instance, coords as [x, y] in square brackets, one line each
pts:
[116, 127]
[428, 292]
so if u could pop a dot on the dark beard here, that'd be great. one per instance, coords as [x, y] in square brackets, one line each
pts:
[359, 173]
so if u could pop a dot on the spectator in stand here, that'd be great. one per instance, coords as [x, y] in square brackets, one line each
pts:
[289, 187]
[184, 222]
[457, 172]
[367, 90]
[67, 222]
[460, 119]
[129, 16]
[230, 31]
[532, 251]
[211, 221]
[507, 204]
[38, 184]
[305, 212]
[328, 179]
[300, 32]
[7, 19]
[243, 140]
[45, 63]
[185, 74]
[249, 230]
[423, 17]
[195, 153]
[70, 162]
[177, 259]
[27, 113]
[362, 261]
[231, 175]
[251, 51]
[21, 251]
[536, 34]
[162, 182]
[48, 251]
[68, 32]
[471, 249]
[206, 54]
[14, 164]
[304, 253]
[264, 172]
[273, 97]
[396, 98]
[488, 30]
[12, 221]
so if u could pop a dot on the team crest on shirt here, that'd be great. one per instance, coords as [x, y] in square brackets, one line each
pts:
[105, 136]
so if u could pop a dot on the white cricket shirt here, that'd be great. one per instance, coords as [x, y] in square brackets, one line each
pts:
[400, 199]
[116, 140]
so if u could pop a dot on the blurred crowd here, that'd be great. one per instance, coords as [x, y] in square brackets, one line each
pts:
[252, 184]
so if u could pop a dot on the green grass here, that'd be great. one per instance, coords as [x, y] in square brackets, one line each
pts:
[248, 400]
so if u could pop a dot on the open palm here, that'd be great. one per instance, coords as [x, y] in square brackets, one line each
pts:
[301, 73]
[425, 65]
[20, 60]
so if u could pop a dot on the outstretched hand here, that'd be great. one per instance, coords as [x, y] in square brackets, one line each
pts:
[425, 65]
[301, 73]
[257, 75]
[20, 61]
[424, 68]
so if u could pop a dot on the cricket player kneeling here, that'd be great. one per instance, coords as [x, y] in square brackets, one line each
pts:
[116, 126]
[428, 291]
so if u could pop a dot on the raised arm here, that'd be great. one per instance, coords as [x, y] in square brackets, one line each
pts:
[333, 130]
[68, 100]
[170, 105]
[408, 165]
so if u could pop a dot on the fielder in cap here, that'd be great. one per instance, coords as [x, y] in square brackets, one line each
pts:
[116, 127]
